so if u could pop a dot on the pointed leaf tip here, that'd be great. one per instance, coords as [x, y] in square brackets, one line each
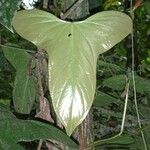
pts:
[73, 49]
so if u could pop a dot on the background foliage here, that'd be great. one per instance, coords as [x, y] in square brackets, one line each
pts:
[113, 68]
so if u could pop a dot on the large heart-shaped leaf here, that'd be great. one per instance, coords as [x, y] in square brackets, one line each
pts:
[73, 48]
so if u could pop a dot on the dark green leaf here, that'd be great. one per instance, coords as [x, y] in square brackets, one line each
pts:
[24, 85]
[7, 11]
[142, 85]
[139, 144]
[111, 66]
[95, 4]
[6, 145]
[16, 147]
[28, 130]
[103, 99]
[147, 6]
[116, 82]
[122, 139]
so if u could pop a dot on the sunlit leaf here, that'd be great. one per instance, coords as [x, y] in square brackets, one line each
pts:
[73, 48]
[24, 84]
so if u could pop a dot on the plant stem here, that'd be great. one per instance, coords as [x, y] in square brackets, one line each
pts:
[40, 145]
[125, 108]
[134, 85]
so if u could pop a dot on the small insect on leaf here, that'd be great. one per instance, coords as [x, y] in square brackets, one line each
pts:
[69, 34]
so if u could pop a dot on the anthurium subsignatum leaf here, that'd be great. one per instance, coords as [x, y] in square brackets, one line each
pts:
[73, 48]
[24, 91]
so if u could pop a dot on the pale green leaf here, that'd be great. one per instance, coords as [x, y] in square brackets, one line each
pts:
[24, 84]
[73, 48]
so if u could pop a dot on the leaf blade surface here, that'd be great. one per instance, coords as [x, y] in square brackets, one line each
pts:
[73, 49]
[24, 85]
[27, 130]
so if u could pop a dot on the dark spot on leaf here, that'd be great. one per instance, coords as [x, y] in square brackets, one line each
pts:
[69, 34]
